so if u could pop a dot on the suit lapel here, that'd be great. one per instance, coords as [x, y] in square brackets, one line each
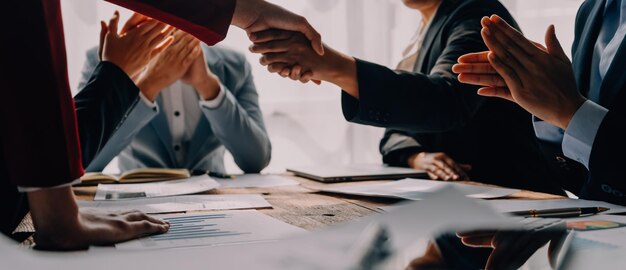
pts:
[615, 80]
[435, 26]
[162, 130]
[584, 54]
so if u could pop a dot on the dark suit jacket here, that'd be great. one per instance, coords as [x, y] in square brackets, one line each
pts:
[39, 142]
[431, 107]
[606, 180]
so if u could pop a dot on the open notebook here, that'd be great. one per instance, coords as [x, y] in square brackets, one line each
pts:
[143, 175]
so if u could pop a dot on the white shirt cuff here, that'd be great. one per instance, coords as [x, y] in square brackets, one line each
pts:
[582, 130]
[31, 189]
[216, 102]
[547, 132]
[148, 102]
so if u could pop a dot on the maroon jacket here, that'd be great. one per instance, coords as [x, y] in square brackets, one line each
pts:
[39, 144]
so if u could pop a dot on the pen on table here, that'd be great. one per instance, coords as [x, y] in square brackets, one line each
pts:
[561, 212]
[213, 174]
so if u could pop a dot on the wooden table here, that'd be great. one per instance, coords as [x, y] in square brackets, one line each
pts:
[303, 205]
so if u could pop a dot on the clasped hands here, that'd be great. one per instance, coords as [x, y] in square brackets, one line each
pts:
[155, 55]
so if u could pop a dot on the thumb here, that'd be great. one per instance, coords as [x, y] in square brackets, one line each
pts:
[104, 29]
[113, 23]
[553, 45]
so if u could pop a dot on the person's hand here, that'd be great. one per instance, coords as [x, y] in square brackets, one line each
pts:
[257, 15]
[541, 81]
[290, 55]
[131, 51]
[170, 65]
[60, 225]
[201, 78]
[439, 166]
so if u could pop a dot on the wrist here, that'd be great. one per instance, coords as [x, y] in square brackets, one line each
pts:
[246, 13]
[341, 72]
[569, 111]
[148, 89]
[209, 88]
[55, 215]
[414, 160]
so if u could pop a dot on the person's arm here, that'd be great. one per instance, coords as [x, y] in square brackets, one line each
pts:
[234, 114]
[208, 20]
[40, 149]
[397, 147]
[109, 108]
[378, 96]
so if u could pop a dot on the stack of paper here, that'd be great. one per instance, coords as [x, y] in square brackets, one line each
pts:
[191, 185]
[180, 203]
[414, 189]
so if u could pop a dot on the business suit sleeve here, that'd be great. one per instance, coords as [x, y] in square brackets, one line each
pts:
[434, 102]
[208, 20]
[238, 123]
[606, 174]
[109, 111]
[397, 146]
[39, 135]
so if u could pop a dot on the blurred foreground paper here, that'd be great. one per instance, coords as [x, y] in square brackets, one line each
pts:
[195, 184]
[181, 203]
[414, 189]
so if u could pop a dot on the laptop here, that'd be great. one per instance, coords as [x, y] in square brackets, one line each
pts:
[355, 172]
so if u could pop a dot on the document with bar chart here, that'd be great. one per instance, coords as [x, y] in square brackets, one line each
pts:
[215, 228]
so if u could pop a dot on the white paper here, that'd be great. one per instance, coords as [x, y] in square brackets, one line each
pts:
[521, 205]
[214, 229]
[195, 184]
[415, 189]
[181, 203]
[256, 181]
[610, 238]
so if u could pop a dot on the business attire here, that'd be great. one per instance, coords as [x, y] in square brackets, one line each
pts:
[39, 143]
[595, 135]
[179, 130]
[428, 109]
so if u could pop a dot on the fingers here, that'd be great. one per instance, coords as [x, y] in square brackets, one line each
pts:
[501, 92]
[271, 47]
[133, 22]
[508, 74]
[479, 57]
[270, 58]
[160, 36]
[140, 216]
[295, 73]
[477, 68]
[519, 43]
[554, 46]
[312, 35]
[146, 227]
[441, 171]
[276, 67]
[270, 35]
[501, 47]
[104, 29]
[113, 23]
[482, 79]
[459, 173]
[164, 45]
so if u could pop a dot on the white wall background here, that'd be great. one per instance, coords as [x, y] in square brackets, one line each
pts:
[305, 121]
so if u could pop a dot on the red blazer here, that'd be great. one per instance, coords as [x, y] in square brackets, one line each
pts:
[39, 144]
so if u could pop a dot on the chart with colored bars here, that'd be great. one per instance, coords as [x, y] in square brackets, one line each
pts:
[214, 228]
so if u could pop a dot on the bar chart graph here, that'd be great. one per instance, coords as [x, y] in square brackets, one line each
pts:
[214, 229]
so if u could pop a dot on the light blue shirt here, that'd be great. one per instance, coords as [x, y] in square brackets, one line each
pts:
[577, 140]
